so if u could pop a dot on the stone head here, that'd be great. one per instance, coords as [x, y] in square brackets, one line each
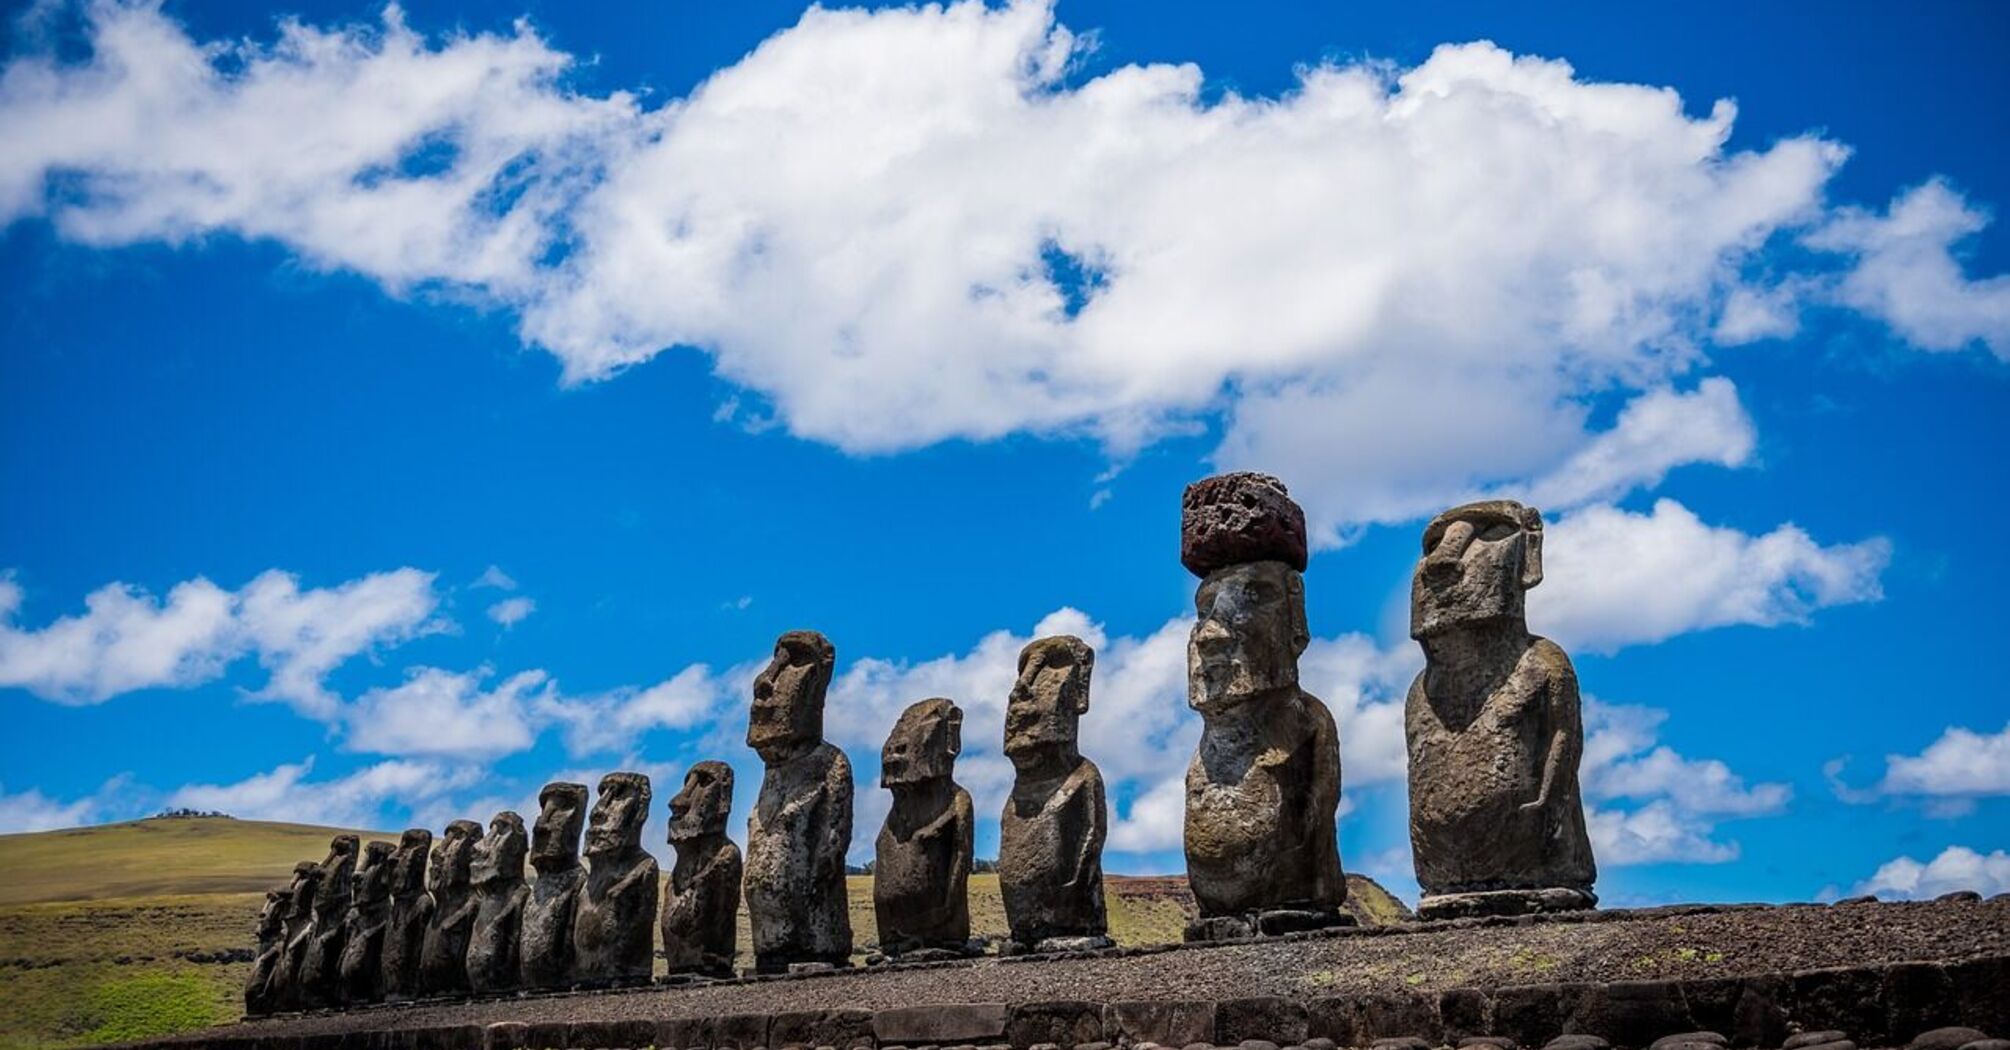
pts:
[615, 829]
[923, 745]
[701, 808]
[1478, 563]
[331, 894]
[453, 858]
[306, 882]
[788, 714]
[408, 865]
[1043, 714]
[561, 813]
[498, 857]
[372, 881]
[272, 917]
[1249, 634]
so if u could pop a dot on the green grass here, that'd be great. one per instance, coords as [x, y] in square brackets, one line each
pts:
[144, 858]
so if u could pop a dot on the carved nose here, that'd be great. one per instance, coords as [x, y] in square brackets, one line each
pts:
[1444, 560]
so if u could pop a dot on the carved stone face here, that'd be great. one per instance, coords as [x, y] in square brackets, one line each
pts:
[1050, 697]
[1479, 562]
[453, 858]
[372, 882]
[1250, 632]
[272, 917]
[923, 745]
[499, 855]
[788, 713]
[616, 827]
[331, 894]
[408, 865]
[701, 808]
[306, 880]
[555, 840]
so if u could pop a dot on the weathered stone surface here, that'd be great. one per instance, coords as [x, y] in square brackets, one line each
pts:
[615, 927]
[443, 965]
[1498, 1042]
[1815, 1038]
[1263, 788]
[1050, 839]
[610, 1035]
[1529, 1014]
[319, 981]
[260, 996]
[1918, 997]
[1170, 1022]
[1987, 1044]
[1842, 998]
[1401, 1042]
[366, 925]
[842, 1029]
[941, 1024]
[499, 892]
[507, 1035]
[1959, 896]
[801, 825]
[1629, 1013]
[1259, 1017]
[702, 906]
[1235, 519]
[1577, 1042]
[1066, 1023]
[1494, 726]
[1464, 1013]
[1689, 1039]
[1952, 1037]
[411, 912]
[685, 1033]
[1759, 1017]
[1978, 993]
[921, 870]
[546, 945]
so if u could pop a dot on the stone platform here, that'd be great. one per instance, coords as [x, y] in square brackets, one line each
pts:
[1882, 973]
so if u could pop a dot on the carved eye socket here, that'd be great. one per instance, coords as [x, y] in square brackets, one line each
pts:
[1497, 532]
[1260, 591]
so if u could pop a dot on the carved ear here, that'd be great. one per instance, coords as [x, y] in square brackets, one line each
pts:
[1085, 666]
[955, 720]
[1531, 547]
[1301, 631]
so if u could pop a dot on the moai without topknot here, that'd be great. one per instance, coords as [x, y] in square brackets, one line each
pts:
[921, 870]
[800, 829]
[615, 927]
[258, 988]
[1050, 840]
[282, 990]
[320, 979]
[1494, 727]
[1263, 789]
[411, 911]
[443, 967]
[500, 892]
[365, 927]
[701, 909]
[546, 948]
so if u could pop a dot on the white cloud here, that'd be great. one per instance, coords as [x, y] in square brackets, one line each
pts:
[31, 810]
[511, 611]
[1954, 771]
[436, 712]
[615, 721]
[127, 640]
[1906, 272]
[1656, 432]
[1676, 801]
[373, 797]
[1656, 833]
[1614, 578]
[1956, 868]
[494, 578]
[874, 224]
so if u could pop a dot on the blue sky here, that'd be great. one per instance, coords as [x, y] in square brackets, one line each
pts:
[400, 409]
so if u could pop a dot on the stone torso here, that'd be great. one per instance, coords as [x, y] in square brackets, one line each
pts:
[613, 930]
[405, 944]
[493, 962]
[796, 842]
[1260, 800]
[547, 927]
[702, 908]
[921, 875]
[1050, 868]
[363, 953]
[443, 966]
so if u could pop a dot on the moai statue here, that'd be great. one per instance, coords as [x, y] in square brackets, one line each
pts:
[614, 931]
[1263, 788]
[1050, 841]
[259, 991]
[701, 910]
[1494, 728]
[411, 912]
[443, 964]
[921, 867]
[320, 980]
[499, 897]
[554, 894]
[365, 927]
[282, 990]
[801, 825]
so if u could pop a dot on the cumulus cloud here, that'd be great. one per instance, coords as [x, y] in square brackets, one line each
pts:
[1614, 578]
[31, 810]
[1646, 803]
[511, 611]
[368, 798]
[1392, 286]
[1954, 771]
[436, 712]
[126, 639]
[1906, 272]
[615, 721]
[1956, 868]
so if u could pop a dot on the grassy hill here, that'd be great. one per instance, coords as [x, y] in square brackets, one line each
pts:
[136, 929]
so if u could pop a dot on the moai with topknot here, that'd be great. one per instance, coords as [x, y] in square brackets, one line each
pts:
[411, 912]
[615, 927]
[500, 893]
[1050, 839]
[800, 829]
[366, 926]
[443, 967]
[1494, 727]
[554, 895]
[701, 909]
[258, 988]
[921, 870]
[320, 981]
[1263, 789]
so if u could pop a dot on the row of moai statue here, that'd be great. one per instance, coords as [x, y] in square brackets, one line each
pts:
[1494, 736]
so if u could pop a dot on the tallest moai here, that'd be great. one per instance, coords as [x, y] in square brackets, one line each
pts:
[1263, 789]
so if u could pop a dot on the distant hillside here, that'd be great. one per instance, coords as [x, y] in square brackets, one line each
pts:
[168, 855]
